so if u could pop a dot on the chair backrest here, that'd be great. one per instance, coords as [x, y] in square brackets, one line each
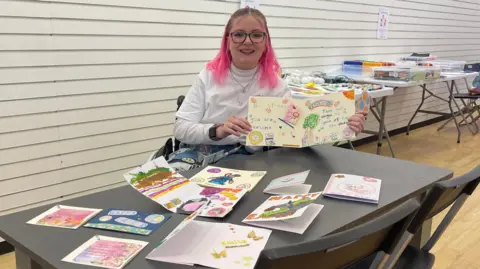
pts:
[344, 248]
[177, 142]
[442, 195]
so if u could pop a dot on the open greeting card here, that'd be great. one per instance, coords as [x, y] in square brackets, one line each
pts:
[61, 216]
[355, 188]
[291, 184]
[106, 252]
[128, 221]
[215, 245]
[291, 213]
[219, 177]
[288, 122]
[161, 183]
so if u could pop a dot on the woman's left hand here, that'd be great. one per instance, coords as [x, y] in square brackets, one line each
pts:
[356, 122]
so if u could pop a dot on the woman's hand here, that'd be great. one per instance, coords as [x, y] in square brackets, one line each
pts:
[234, 126]
[357, 122]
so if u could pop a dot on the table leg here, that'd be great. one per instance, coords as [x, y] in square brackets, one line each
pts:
[418, 108]
[23, 261]
[379, 114]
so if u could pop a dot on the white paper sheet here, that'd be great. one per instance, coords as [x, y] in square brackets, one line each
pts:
[354, 188]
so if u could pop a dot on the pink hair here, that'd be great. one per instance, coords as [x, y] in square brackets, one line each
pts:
[268, 64]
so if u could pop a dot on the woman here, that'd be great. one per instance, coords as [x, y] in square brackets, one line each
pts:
[213, 114]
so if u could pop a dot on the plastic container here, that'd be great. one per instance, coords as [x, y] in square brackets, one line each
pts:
[449, 66]
[398, 74]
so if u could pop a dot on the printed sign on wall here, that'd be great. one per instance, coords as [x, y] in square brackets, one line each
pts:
[250, 3]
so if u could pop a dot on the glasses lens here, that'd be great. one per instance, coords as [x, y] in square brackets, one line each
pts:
[238, 37]
[257, 37]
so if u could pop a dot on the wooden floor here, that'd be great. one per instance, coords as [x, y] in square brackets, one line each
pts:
[461, 241]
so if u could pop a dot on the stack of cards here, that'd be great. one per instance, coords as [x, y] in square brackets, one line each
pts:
[355, 188]
[291, 184]
[291, 213]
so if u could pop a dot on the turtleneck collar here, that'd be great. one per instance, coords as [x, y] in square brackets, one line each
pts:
[242, 73]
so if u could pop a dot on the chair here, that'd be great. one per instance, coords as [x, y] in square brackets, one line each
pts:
[440, 197]
[365, 246]
[172, 144]
[470, 108]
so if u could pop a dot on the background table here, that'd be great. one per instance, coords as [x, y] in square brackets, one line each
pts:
[448, 78]
[402, 180]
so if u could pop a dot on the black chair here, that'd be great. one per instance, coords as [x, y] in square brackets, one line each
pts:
[365, 246]
[172, 144]
[471, 107]
[451, 192]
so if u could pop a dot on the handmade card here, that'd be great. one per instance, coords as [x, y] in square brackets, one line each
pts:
[161, 183]
[288, 122]
[291, 184]
[291, 213]
[230, 178]
[355, 188]
[106, 252]
[128, 221]
[363, 102]
[215, 245]
[61, 216]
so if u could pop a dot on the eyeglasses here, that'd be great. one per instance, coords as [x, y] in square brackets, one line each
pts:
[240, 37]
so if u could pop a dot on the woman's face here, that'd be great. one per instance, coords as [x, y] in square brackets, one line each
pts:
[247, 54]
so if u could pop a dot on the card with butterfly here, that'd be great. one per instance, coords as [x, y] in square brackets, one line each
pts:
[215, 245]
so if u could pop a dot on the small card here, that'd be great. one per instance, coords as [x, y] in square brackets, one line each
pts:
[291, 184]
[355, 188]
[128, 221]
[106, 252]
[68, 217]
[291, 213]
[363, 103]
[219, 177]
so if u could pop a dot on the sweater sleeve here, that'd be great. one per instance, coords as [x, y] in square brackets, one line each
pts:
[188, 127]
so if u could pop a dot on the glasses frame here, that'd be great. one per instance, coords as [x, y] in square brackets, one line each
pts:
[249, 36]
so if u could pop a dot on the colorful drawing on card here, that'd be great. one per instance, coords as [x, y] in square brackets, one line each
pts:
[61, 216]
[300, 122]
[282, 207]
[106, 252]
[128, 221]
[180, 195]
[228, 178]
[299, 211]
[363, 103]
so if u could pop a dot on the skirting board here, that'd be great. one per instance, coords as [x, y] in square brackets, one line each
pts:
[5, 247]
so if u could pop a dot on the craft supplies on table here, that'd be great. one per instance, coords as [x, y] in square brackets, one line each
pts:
[291, 213]
[406, 74]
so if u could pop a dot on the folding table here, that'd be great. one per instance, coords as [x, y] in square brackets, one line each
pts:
[448, 78]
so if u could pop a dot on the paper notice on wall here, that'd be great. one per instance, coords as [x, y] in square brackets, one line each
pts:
[250, 3]
[383, 22]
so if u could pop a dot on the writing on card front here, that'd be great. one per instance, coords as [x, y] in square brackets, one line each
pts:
[288, 122]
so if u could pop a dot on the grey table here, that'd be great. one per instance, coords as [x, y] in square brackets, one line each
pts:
[44, 247]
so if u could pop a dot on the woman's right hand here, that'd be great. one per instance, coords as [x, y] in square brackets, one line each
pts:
[234, 126]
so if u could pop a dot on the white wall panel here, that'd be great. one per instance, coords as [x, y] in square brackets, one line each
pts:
[88, 88]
